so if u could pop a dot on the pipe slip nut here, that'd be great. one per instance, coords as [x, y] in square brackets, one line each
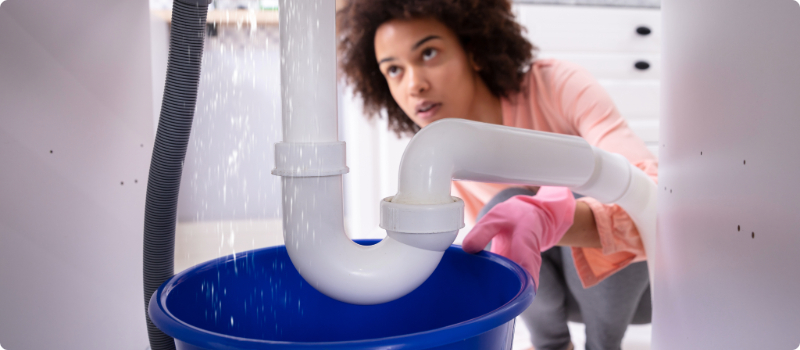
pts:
[422, 218]
[311, 159]
[426, 226]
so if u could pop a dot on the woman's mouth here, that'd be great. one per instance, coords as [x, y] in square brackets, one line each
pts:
[428, 110]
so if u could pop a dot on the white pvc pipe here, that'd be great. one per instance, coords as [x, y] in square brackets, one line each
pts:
[422, 220]
[333, 264]
[308, 70]
[466, 150]
[639, 202]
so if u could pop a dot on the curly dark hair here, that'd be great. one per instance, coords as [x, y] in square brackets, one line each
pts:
[486, 30]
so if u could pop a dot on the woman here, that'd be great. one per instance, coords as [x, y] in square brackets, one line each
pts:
[420, 61]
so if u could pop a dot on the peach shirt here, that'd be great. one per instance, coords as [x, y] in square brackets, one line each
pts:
[564, 98]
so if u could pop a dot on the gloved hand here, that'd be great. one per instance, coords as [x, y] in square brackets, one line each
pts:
[524, 226]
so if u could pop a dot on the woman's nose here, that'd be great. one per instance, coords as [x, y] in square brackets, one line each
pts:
[417, 84]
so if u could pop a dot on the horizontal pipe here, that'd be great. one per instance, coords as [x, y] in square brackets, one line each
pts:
[466, 150]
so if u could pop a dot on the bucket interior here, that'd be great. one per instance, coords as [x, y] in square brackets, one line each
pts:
[259, 295]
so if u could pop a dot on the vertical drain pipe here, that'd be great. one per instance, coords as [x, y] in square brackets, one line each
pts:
[174, 126]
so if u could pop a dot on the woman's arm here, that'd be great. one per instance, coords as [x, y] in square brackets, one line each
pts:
[583, 232]
[585, 105]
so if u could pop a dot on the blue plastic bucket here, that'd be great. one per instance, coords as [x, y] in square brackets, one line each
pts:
[257, 300]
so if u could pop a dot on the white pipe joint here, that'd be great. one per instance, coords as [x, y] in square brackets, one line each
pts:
[427, 226]
[610, 178]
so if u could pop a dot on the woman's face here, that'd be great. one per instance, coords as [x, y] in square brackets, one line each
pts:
[429, 74]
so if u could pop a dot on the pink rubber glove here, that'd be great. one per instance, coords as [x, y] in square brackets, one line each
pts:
[524, 226]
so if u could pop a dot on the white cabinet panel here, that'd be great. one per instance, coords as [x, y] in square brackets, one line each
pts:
[636, 100]
[596, 29]
[612, 65]
[605, 41]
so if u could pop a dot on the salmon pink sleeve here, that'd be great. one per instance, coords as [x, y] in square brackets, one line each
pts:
[589, 109]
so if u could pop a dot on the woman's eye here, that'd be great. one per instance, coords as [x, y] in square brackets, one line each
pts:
[429, 54]
[393, 71]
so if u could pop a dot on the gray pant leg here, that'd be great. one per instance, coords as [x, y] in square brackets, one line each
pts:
[546, 318]
[608, 307]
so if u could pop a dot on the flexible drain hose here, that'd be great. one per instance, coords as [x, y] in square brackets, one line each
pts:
[177, 111]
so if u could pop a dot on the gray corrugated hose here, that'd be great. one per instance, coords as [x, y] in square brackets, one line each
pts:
[180, 95]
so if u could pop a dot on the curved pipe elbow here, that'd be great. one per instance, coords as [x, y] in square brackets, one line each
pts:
[364, 275]
[340, 268]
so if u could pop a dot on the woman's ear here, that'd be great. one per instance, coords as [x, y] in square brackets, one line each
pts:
[472, 62]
